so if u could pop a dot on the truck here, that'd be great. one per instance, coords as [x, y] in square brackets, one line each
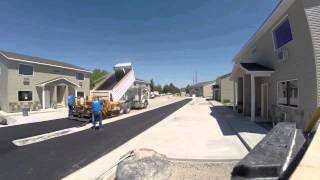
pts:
[117, 92]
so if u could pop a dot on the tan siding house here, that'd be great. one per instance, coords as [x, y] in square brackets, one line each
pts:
[39, 83]
[277, 72]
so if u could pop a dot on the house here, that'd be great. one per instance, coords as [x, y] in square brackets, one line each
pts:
[277, 72]
[223, 89]
[37, 82]
[203, 89]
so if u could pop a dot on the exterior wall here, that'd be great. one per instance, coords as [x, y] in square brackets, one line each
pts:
[207, 91]
[3, 84]
[300, 66]
[41, 74]
[312, 10]
[226, 86]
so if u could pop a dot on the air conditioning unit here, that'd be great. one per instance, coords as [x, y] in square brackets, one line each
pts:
[282, 54]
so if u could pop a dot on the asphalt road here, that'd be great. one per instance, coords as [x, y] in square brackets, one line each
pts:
[56, 158]
[8, 134]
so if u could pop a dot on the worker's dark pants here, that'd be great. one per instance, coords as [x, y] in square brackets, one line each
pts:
[97, 116]
[70, 110]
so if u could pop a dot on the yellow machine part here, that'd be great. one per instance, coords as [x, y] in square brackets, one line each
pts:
[84, 106]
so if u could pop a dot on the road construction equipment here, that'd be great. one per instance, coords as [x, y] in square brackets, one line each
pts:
[109, 91]
[113, 92]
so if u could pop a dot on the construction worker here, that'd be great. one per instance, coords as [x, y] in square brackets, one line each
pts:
[96, 107]
[71, 100]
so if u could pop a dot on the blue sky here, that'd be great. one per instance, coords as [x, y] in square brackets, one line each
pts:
[167, 40]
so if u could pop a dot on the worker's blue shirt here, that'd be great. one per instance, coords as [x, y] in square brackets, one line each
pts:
[71, 100]
[96, 106]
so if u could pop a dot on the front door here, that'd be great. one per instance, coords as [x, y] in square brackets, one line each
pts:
[264, 101]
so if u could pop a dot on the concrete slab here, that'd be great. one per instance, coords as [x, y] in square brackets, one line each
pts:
[249, 131]
[189, 133]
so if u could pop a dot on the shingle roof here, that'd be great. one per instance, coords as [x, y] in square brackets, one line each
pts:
[203, 83]
[255, 67]
[39, 60]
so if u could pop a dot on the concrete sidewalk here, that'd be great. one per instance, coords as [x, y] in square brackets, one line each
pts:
[249, 132]
[192, 132]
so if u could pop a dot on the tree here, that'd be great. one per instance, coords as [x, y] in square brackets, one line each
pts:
[158, 88]
[151, 85]
[171, 88]
[96, 76]
[188, 89]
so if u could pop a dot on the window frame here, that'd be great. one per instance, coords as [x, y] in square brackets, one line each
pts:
[281, 21]
[26, 100]
[24, 74]
[298, 93]
[80, 92]
[77, 76]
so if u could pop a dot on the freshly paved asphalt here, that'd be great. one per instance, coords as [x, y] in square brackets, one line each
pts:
[58, 157]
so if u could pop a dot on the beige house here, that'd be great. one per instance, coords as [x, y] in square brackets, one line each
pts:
[223, 90]
[277, 73]
[39, 83]
[203, 89]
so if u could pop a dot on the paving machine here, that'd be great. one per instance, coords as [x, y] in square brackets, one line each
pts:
[111, 91]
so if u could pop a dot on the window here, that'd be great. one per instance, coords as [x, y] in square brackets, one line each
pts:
[254, 51]
[25, 95]
[288, 93]
[282, 34]
[80, 94]
[80, 76]
[26, 70]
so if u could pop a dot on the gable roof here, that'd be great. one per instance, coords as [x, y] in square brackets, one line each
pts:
[38, 60]
[204, 83]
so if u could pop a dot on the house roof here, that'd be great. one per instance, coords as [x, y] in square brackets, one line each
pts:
[61, 80]
[255, 67]
[223, 76]
[204, 83]
[38, 60]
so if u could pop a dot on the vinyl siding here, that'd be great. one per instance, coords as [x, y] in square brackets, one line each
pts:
[300, 65]
[312, 9]
[41, 74]
[3, 84]
[226, 89]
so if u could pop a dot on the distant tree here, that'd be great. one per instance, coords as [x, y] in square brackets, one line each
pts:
[171, 88]
[188, 89]
[151, 85]
[96, 75]
[158, 88]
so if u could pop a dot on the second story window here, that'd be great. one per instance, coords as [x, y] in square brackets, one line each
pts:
[282, 34]
[80, 76]
[26, 70]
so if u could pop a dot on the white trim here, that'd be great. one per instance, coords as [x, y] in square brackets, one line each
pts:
[46, 64]
[43, 98]
[58, 79]
[257, 73]
[287, 106]
[26, 65]
[281, 21]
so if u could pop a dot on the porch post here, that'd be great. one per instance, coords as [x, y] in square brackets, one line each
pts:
[75, 92]
[234, 95]
[43, 98]
[253, 98]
